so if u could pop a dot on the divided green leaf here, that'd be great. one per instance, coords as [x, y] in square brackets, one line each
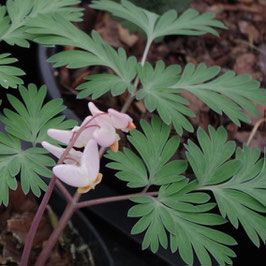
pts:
[227, 93]
[157, 94]
[13, 27]
[99, 84]
[9, 75]
[183, 215]
[209, 162]
[30, 163]
[57, 30]
[155, 150]
[238, 185]
[154, 26]
[32, 118]
[243, 197]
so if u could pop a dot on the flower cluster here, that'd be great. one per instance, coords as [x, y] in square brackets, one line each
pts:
[81, 169]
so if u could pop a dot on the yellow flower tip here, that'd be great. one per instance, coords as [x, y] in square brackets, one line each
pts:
[114, 147]
[98, 179]
[82, 190]
[131, 126]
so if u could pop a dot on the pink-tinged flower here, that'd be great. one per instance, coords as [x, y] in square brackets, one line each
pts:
[117, 119]
[83, 171]
[73, 156]
[65, 136]
[107, 123]
[120, 120]
[100, 126]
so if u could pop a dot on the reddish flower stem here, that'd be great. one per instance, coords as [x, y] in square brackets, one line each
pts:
[94, 202]
[63, 190]
[46, 197]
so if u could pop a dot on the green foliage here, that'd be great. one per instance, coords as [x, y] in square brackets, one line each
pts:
[178, 215]
[183, 214]
[209, 163]
[9, 74]
[13, 29]
[29, 163]
[98, 52]
[99, 84]
[53, 30]
[158, 95]
[216, 92]
[155, 150]
[31, 118]
[154, 26]
[238, 185]
[227, 93]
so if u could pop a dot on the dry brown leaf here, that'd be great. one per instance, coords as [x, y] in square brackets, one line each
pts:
[19, 226]
[262, 2]
[245, 63]
[20, 203]
[259, 140]
[199, 108]
[249, 30]
[108, 29]
[141, 106]
[126, 37]
[262, 111]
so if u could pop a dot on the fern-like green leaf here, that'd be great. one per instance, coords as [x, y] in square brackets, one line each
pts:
[183, 215]
[155, 150]
[29, 163]
[189, 23]
[227, 93]
[9, 75]
[209, 161]
[154, 26]
[20, 12]
[96, 52]
[57, 30]
[144, 19]
[31, 118]
[238, 185]
[101, 83]
[157, 94]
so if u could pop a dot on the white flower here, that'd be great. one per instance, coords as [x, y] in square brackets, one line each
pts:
[100, 126]
[81, 169]
[107, 123]
[65, 136]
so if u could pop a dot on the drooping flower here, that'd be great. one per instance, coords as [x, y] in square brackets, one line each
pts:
[65, 136]
[80, 169]
[100, 126]
[73, 156]
[106, 134]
